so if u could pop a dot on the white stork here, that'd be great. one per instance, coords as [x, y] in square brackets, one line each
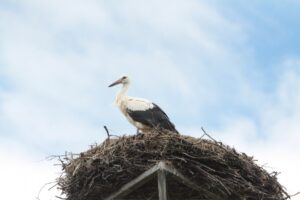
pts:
[143, 114]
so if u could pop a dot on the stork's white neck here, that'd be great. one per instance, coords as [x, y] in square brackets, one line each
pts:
[122, 94]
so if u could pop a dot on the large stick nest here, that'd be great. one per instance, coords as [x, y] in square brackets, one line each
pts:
[100, 171]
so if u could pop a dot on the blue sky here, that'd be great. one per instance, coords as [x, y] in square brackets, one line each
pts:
[231, 67]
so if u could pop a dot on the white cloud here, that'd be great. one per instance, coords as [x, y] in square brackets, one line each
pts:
[23, 175]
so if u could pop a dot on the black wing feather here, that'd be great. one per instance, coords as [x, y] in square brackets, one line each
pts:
[154, 118]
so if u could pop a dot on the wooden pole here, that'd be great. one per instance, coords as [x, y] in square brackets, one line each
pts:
[135, 184]
[162, 184]
[160, 169]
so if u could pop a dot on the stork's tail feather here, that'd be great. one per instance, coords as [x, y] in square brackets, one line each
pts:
[170, 127]
[175, 131]
[164, 130]
[167, 128]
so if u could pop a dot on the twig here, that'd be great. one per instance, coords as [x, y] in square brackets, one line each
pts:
[292, 195]
[218, 143]
[205, 133]
[107, 132]
[60, 197]
[39, 193]
[64, 156]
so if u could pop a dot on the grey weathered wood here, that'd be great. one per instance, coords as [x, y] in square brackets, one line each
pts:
[135, 183]
[161, 169]
[162, 184]
[179, 177]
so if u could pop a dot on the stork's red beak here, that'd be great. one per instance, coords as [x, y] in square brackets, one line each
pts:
[115, 83]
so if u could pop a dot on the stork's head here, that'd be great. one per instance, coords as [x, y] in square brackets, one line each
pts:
[124, 80]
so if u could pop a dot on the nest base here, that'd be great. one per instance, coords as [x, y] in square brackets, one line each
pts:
[214, 167]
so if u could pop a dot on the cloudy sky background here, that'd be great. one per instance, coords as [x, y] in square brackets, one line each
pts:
[231, 67]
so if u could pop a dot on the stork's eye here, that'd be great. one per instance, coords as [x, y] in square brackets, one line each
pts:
[124, 77]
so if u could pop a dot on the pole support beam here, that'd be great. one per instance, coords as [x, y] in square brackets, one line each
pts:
[162, 184]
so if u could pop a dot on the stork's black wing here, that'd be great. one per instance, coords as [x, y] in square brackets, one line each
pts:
[154, 117]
